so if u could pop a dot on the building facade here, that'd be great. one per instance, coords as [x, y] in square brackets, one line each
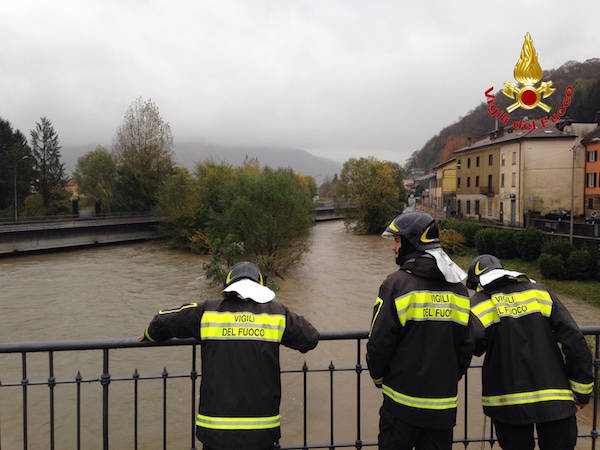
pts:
[445, 192]
[591, 143]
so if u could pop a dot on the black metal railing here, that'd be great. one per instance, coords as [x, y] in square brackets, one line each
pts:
[105, 379]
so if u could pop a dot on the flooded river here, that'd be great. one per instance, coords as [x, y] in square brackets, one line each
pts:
[113, 292]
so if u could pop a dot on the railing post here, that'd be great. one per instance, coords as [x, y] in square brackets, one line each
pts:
[51, 384]
[596, 366]
[304, 372]
[78, 382]
[24, 383]
[465, 441]
[193, 377]
[331, 369]
[105, 381]
[165, 375]
[358, 442]
[136, 379]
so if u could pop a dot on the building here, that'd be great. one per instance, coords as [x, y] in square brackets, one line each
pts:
[591, 142]
[512, 173]
[425, 188]
[445, 191]
[477, 179]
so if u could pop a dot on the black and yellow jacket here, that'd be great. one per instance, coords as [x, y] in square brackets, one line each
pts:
[525, 377]
[419, 344]
[240, 386]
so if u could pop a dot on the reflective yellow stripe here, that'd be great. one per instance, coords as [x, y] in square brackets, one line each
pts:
[181, 308]
[378, 303]
[378, 380]
[514, 305]
[148, 336]
[238, 423]
[582, 388]
[242, 325]
[523, 398]
[426, 305]
[420, 402]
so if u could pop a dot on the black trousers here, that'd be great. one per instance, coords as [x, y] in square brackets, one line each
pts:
[397, 435]
[556, 435]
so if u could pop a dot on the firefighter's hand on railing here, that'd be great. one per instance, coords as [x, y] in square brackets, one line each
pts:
[579, 405]
[141, 338]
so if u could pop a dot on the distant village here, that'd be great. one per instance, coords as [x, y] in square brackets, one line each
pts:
[511, 176]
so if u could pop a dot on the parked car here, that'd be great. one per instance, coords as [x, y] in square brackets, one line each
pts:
[558, 214]
[594, 218]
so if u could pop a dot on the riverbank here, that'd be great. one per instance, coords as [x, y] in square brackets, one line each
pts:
[586, 291]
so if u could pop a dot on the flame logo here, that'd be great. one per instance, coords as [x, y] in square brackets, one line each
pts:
[528, 72]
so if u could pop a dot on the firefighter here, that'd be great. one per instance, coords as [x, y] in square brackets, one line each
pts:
[519, 325]
[240, 334]
[419, 343]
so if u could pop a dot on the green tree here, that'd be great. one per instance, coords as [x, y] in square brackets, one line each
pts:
[15, 160]
[370, 185]
[95, 175]
[144, 150]
[49, 171]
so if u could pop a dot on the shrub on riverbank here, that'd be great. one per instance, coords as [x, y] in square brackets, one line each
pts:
[529, 244]
[452, 241]
[238, 213]
[468, 228]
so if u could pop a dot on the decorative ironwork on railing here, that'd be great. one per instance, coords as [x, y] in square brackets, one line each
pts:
[105, 379]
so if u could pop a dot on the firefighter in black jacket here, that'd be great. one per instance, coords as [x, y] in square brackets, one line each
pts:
[419, 343]
[525, 378]
[240, 337]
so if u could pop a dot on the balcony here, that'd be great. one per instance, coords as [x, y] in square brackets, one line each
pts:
[486, 190]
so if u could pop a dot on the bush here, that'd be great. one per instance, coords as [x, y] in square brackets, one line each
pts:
[529, 244]
[557, 247]
[485, 241]
[468, 228]
[505, 244]
[580, 265]
[452, 241]
[552, 266]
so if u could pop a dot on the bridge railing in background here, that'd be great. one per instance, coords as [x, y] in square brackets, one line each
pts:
[105, 379]
[80, 217]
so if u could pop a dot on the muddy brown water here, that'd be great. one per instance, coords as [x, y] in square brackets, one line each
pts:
[112, 292]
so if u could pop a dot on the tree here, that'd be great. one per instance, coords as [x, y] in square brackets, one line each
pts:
[370, 185]
[144, 150]
[48, 169]
[95, 175]
[454, 143]
[15, 160]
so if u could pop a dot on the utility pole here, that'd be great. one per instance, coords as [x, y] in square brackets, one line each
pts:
[572, 194]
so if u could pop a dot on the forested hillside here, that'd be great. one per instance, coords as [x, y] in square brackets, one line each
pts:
[584, 77]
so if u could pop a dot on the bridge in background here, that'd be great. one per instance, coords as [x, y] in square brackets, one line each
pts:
[58, 232]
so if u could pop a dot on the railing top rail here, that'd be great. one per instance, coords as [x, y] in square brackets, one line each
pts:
[131, 342]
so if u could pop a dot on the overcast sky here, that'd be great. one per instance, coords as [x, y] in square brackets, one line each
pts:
[337, 78]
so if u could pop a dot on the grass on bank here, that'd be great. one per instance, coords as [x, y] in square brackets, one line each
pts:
[587, 291]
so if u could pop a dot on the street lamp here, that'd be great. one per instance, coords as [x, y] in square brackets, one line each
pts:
[17, 161]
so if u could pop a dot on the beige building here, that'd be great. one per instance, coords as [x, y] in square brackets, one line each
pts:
[533, 172]
[445, 191]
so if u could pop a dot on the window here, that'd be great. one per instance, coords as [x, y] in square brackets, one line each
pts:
[457, 181]
[468, 206]
[458, 164]
[459, 207]
[468, 181]
[592, 156]
[468, 163]
[591, 179]
[502, 159]
[477, 161]
[489, 207]
[514, 158]
[514, 180]
[502, 180]
[477, 181]
[590, 203]
[490, 160]
[477, 207]
[490, 183]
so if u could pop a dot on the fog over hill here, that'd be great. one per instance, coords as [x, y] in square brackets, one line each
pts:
[189, 153]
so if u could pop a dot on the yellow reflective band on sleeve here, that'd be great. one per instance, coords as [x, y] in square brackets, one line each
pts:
[378, 304]
[582, 388]
[437, 306]
[514, 305]
[242, 326]
[238, 423]
[181, 308]
[420, 402]
[523, 398]
[147, 335]
[378, 380]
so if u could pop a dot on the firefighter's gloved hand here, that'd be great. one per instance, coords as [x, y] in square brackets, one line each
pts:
[141, 338]
[581, 400]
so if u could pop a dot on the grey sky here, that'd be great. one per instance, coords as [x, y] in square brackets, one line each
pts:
[337, 78]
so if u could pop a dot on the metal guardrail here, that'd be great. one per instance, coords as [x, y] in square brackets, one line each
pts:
[105, 380]
[75, 217]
